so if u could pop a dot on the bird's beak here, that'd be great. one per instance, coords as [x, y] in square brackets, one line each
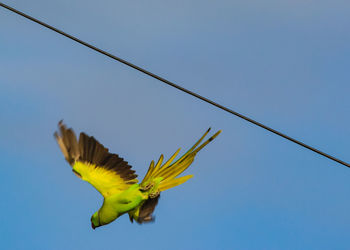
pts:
[93, 226]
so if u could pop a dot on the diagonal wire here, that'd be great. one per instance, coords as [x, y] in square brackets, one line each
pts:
[175, 85]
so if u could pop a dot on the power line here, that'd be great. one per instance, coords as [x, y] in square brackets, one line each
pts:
[174, 85]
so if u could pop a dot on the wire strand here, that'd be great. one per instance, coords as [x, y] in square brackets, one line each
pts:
[175, 85]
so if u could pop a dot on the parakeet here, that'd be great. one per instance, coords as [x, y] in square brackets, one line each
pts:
[116, 181]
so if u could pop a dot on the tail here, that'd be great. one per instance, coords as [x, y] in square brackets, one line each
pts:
[162, 177]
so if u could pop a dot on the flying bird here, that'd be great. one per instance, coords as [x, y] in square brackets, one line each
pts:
[116, 181]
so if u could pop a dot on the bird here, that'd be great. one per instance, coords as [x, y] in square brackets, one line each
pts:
[113, 177]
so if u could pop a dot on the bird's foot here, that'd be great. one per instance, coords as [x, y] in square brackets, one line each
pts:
[147, 187]
[154, 195]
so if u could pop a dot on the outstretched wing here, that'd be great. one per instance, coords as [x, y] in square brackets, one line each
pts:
[92, 162]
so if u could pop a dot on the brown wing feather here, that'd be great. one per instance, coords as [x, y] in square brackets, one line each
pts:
[147, 210]
[89, 150]
[68, 143]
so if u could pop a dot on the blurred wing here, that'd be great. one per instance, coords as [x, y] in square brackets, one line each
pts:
[92, 162]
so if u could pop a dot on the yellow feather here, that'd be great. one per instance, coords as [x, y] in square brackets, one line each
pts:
[174, 182]
[158, 173]
[149, 172]
[159, 163]
[209, 140]
[179, 168]
[105, 181]
[192, 148]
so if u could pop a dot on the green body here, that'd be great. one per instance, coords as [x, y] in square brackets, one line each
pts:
[118, 204]
[128, 201]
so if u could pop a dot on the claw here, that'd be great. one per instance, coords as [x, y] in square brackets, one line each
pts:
[147, 187]
[154, 195]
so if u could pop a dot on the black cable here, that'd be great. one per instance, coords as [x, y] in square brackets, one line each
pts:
[175, 85]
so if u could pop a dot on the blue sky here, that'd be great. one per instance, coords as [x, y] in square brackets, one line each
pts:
[283, 63]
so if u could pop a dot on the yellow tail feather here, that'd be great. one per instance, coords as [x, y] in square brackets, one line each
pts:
[168, 172]
[174, 182]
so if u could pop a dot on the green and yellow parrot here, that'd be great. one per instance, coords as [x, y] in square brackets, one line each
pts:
[114, 179]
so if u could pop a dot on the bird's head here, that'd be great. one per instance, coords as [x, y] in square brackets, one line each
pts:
[95, 220]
